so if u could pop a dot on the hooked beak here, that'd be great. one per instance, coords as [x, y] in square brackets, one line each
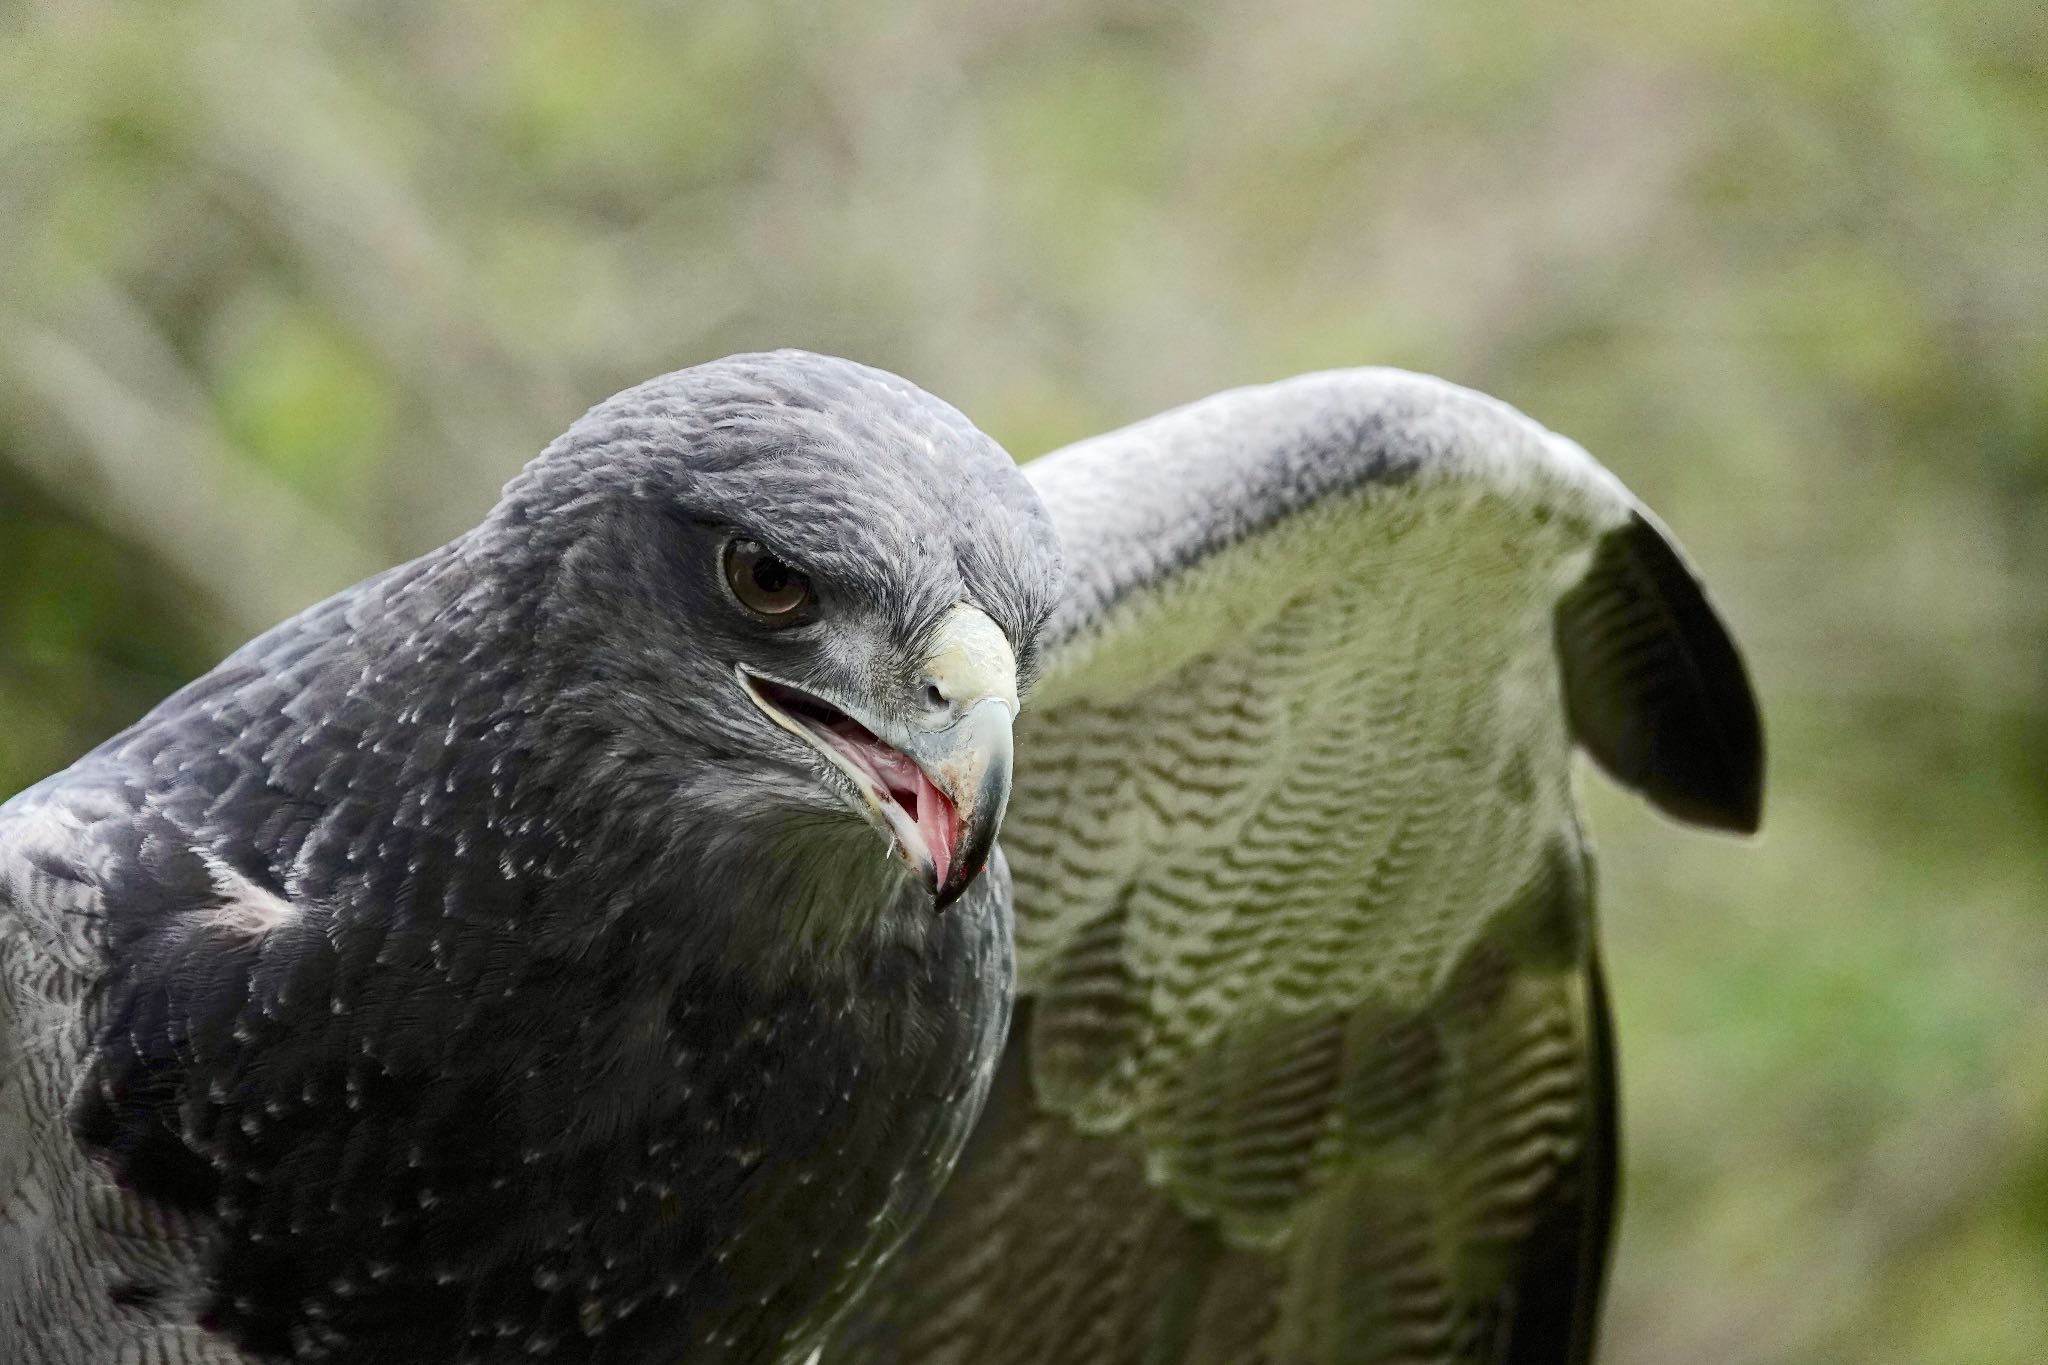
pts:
[969, 763]
[937, 783]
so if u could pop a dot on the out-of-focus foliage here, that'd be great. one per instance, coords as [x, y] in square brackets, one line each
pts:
[288, 289]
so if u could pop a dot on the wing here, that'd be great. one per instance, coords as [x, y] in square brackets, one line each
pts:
[1313, 1063]
[89, 1270]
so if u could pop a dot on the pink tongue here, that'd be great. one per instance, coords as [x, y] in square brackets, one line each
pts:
[913, 791]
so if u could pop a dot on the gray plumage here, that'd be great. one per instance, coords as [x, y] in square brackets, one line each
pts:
[466, 969]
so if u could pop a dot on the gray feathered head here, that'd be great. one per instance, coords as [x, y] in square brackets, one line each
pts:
[781, 595]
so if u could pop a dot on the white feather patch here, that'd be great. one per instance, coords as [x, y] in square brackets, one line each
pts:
[246, 908]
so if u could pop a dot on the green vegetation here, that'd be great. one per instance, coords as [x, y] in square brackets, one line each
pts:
[287, 290]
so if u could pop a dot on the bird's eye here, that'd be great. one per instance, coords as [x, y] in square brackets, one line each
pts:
[765, 585]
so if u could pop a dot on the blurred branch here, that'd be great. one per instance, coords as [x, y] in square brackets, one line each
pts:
[146, 460]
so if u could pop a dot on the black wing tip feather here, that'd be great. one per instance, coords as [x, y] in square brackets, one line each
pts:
[1655, 687]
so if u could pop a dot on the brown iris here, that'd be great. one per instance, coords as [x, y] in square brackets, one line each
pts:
[765, 585]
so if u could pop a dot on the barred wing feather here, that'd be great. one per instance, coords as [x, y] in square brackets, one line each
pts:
[1313, 1062]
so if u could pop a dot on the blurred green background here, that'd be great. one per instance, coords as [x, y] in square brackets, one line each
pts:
[287, 291]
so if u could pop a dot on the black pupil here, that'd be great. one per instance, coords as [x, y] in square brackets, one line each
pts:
[771, 575]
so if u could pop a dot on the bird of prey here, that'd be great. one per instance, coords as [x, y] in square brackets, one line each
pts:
[590, 941]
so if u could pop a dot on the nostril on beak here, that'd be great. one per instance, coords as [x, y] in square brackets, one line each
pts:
[969, 659]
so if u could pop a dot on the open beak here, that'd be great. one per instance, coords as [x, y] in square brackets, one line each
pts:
[938, 782]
